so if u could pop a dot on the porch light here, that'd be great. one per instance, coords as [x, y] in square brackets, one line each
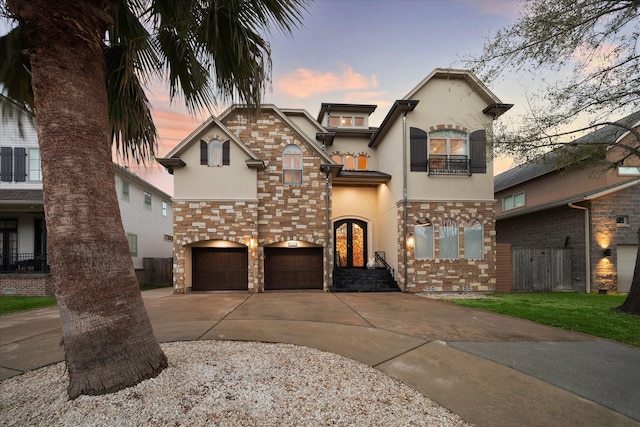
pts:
[410, 241]
[252, 243]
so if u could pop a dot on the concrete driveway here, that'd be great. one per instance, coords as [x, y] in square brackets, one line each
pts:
[490, 369]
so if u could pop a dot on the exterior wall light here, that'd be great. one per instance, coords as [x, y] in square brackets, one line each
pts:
[606, 252]
[252, 243]
[410, 241]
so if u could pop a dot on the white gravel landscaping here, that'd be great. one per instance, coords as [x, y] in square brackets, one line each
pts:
[224, 383]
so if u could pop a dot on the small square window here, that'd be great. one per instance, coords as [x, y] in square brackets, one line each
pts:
[622, 221]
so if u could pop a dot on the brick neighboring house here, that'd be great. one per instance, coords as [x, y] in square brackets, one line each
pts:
[278, 199]
[594, 213]
[146, 215]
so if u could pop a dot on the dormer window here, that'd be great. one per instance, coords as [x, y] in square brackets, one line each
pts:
[347, 121]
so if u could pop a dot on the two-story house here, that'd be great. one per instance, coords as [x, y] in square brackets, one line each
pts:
[278, 199]
[592, 213]
[146, 213]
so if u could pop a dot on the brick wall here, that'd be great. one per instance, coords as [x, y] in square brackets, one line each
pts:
[564, 226]
[552, 228]
[26, 284]
[451, 275]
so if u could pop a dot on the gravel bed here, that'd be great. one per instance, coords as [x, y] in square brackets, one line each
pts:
[224, 383]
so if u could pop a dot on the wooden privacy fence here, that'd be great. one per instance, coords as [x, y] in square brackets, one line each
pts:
[158, 271]
[541, 269]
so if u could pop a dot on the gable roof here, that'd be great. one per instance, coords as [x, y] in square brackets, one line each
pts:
[289, 123]
[545, 164]
[172, 159]
[494, 105]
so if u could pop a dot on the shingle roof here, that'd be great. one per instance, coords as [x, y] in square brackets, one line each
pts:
[21, 196]
[545, 164]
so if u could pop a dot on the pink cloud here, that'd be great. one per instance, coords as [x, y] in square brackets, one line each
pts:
[305, 83]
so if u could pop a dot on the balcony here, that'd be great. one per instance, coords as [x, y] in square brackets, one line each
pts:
[441, 164]
[23, 263]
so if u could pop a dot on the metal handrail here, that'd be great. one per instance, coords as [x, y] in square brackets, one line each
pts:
[381, 260]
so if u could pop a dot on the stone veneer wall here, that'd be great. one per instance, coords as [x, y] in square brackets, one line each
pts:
[281, 213]
[451, 275]
[201, 221]
[285, 212]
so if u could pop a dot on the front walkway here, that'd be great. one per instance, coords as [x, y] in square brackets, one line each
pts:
[490, 369]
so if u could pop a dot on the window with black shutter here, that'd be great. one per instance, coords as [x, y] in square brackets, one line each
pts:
[478, 151]
[226, 147]
[20, 164]
[418, 149]
[204, 152]
[6, 164]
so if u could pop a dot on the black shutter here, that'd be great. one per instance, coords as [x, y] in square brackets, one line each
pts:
[6, 167]
[418, 149]
[20, 161]
[478, 151]
[204, 152]
[226, 152]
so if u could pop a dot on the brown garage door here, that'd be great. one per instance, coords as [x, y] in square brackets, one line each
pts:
[220, 269]
[299, 268]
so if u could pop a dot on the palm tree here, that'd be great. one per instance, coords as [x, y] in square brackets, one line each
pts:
[80, 66]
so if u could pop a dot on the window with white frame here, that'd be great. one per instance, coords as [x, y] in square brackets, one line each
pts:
[35, 171]
[423, 233]
[292, 165]
[347, 121]
[165, 208]
[147, 201]
[215, 153]
[133, 244]
[473, 239]
[513, 201]
[448, 239]
[125, 191]
[448, 153]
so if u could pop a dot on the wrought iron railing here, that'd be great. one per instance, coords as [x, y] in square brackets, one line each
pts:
[440, 164]
[23, 263]
[380, 262]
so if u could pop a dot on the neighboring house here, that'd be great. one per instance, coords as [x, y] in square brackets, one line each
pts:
[146, 215]
[595, 214]
[276, 199]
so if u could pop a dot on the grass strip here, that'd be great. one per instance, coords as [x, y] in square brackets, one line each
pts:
[588, 313]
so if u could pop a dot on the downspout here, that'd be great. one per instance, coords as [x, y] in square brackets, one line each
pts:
[405, 215]
[587, 256]
[327, 238]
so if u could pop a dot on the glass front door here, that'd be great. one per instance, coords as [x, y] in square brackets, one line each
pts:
[350, 243]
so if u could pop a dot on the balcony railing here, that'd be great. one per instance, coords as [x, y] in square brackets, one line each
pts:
[440, 164]
[23, 263]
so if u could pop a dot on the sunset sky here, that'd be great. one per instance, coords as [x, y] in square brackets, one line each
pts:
[357, 51]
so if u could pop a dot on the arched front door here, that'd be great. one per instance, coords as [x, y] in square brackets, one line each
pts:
[350, 243]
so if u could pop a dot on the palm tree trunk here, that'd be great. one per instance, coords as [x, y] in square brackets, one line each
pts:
[631, 304]
[108, 340]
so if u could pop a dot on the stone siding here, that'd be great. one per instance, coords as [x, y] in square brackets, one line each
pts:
[451, 275]
[281, 212]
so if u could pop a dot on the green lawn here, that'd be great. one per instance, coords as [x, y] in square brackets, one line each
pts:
[11, 303]
[588, 313]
